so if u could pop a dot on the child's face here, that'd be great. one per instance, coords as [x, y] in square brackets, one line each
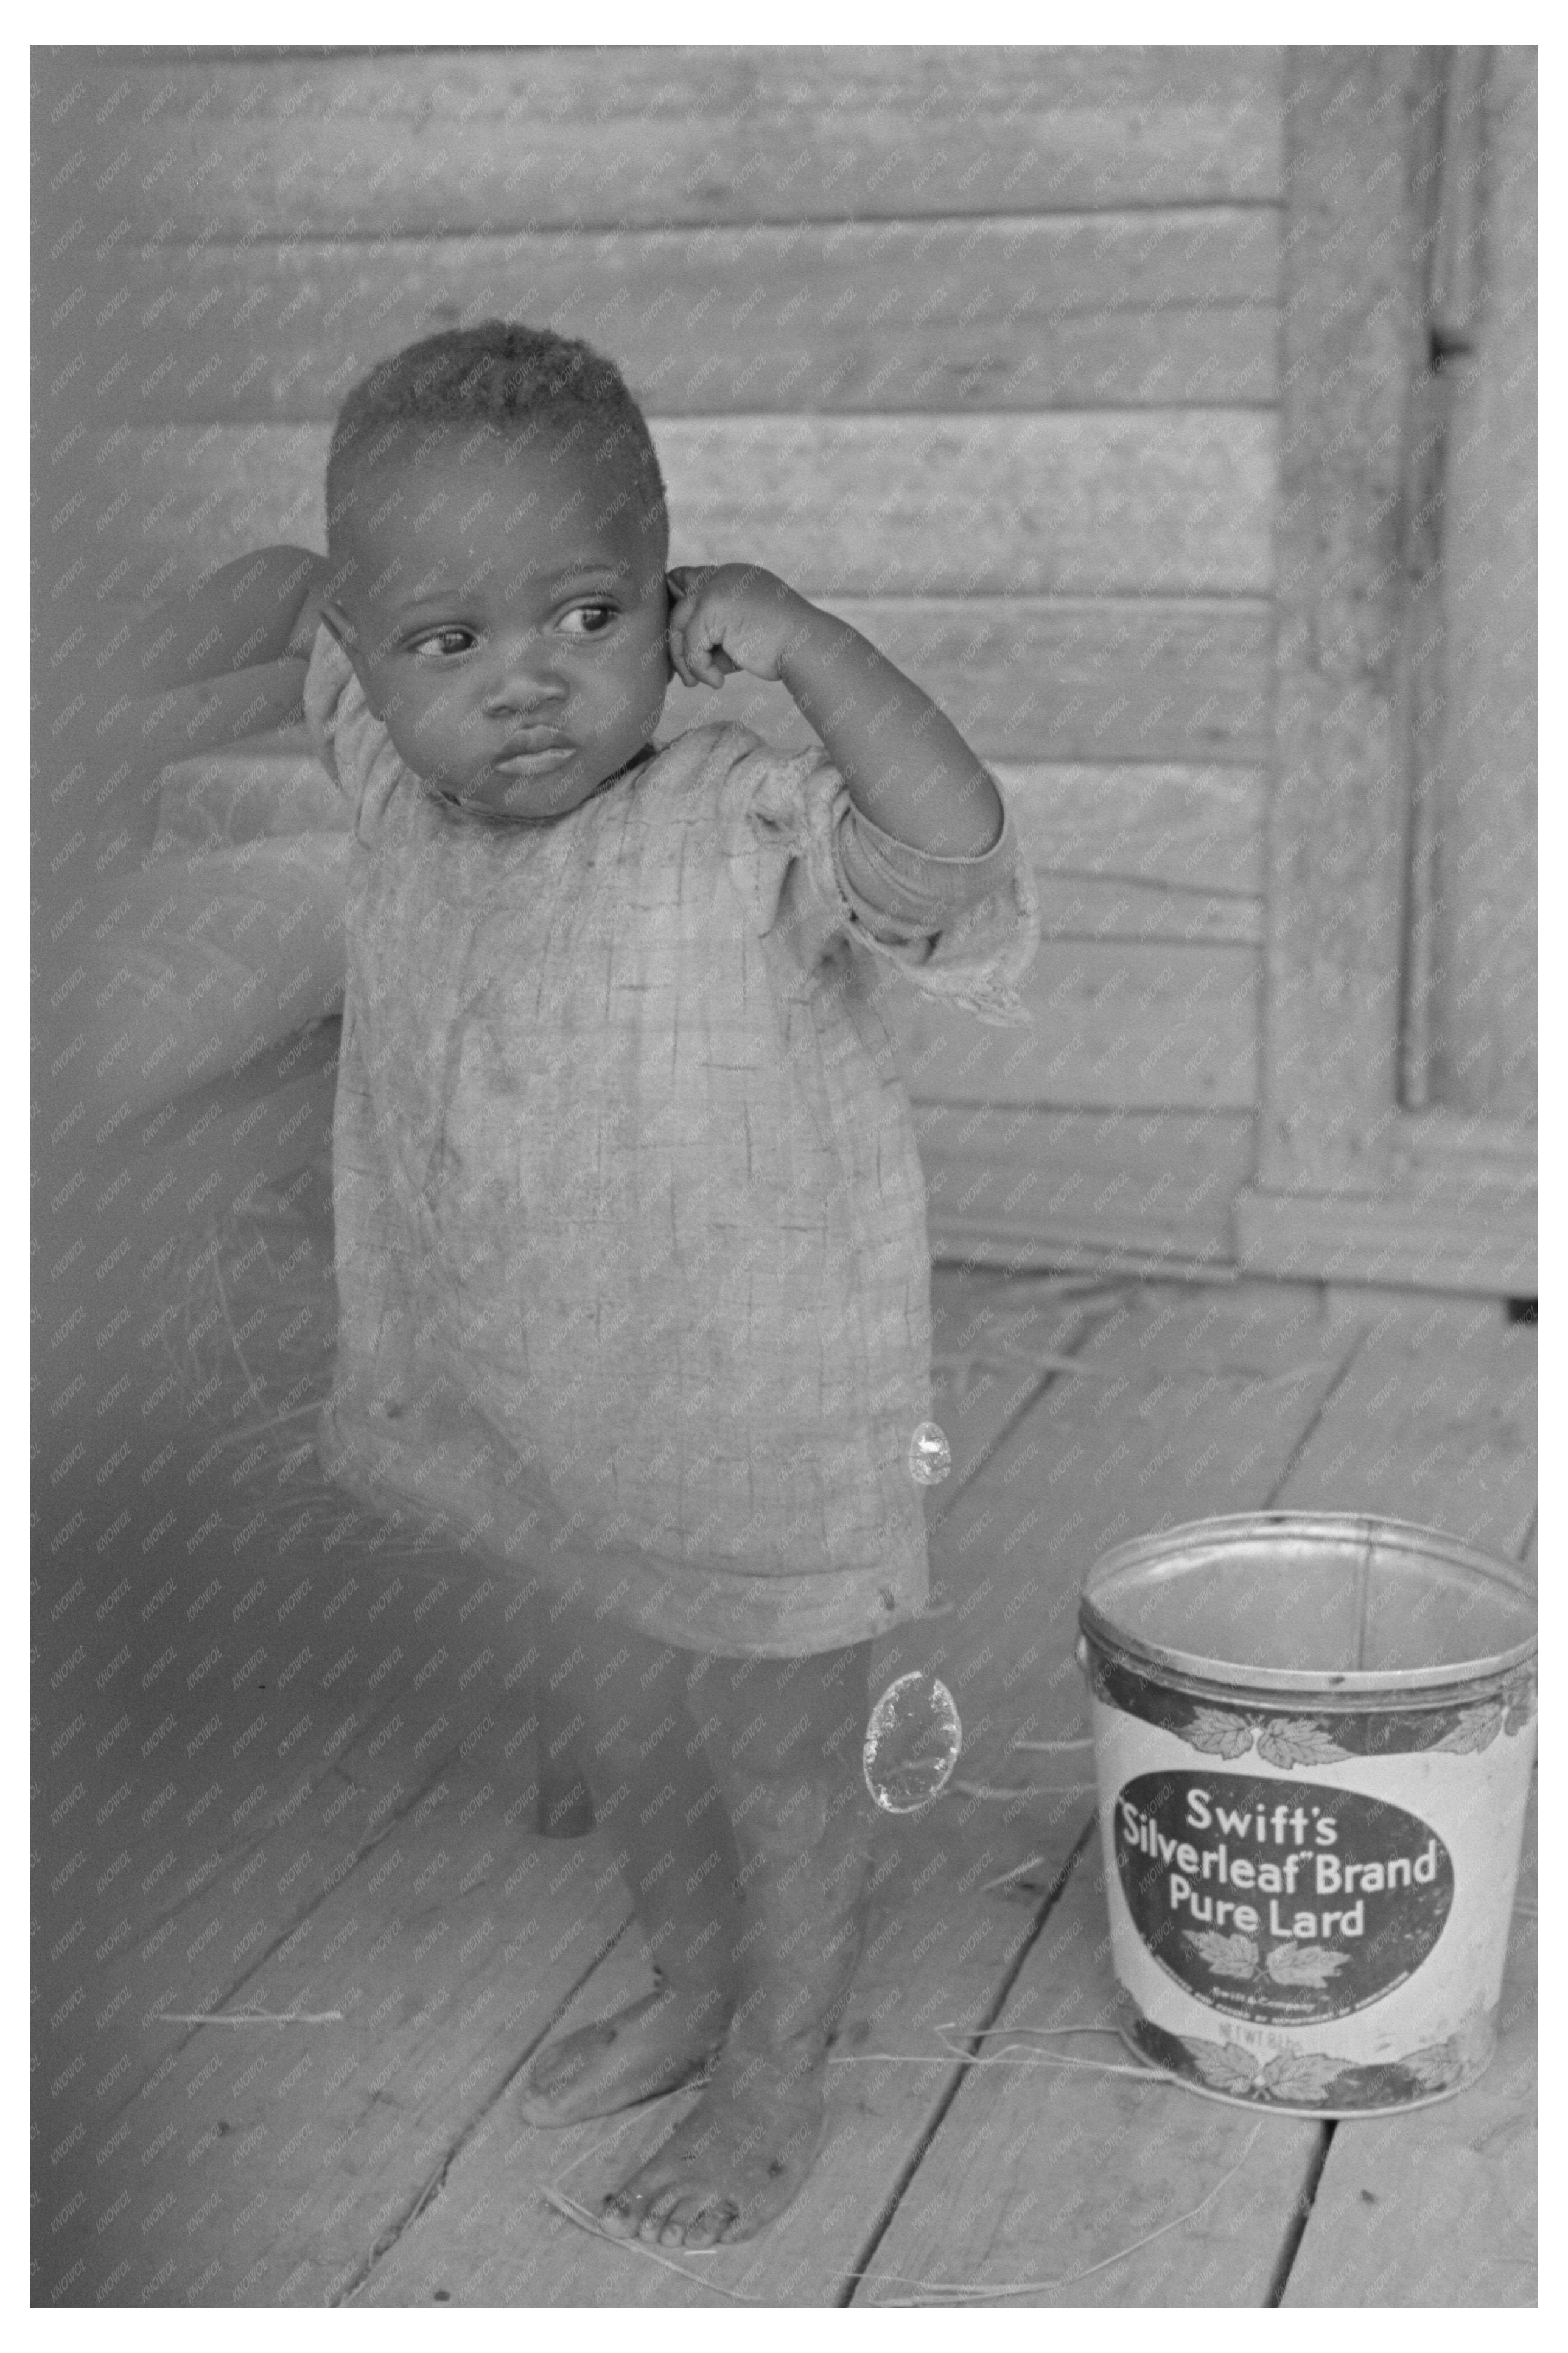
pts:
[508, 619]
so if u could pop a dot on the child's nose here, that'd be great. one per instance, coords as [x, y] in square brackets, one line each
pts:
[524, 679]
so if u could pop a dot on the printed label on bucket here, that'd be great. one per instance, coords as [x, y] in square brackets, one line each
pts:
[1278, 1901]
[1341, 1961]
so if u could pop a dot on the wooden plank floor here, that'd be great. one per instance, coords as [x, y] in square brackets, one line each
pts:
[1437, 2207]
[319, 1802]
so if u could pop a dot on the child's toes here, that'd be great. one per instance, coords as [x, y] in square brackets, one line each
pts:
[620, 2215]
[630, 2213]
[696, 2219]
[658, 2210]
[707, 2228]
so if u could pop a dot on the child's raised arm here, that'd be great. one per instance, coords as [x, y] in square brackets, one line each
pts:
[906, 765]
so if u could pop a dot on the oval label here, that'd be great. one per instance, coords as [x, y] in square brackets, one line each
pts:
[1279, 1900]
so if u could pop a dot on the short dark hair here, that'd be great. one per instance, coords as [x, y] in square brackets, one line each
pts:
[513, 379]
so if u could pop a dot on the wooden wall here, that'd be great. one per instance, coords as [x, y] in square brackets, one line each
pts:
[976, 346]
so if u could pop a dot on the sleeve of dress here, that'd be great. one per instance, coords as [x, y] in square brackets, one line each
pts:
[354, 745]
[962, 929]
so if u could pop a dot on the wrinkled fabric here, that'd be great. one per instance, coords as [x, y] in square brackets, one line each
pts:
[630, 1225]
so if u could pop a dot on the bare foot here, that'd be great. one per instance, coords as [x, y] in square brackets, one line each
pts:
[733, 2165]
[653, 2045]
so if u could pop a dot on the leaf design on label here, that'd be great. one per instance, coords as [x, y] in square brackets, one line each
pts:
[1227, 2066]
[1292, 1740]
[1308, 1964]
[1226, 1956]
[1434, 2068]
[1519, 1694]
[1218, 1735]
[1475, 1728]
[1301, 2074]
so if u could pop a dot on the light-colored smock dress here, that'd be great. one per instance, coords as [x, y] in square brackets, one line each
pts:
[634, 1289]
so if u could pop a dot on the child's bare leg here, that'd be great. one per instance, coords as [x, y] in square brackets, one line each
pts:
[656, 1800]
[784, 1746]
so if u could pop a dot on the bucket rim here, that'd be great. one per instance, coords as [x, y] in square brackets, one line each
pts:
[1234, 1677]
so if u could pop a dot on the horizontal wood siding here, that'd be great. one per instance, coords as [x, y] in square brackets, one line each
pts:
[1042, 1188]
[1139, 309]
[1172, 503]
[1127, 1024]
[476, 140]
[975, 345]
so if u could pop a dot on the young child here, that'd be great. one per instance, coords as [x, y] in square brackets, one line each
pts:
[630, 1233]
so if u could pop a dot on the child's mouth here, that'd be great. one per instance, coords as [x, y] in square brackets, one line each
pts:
[534, 763]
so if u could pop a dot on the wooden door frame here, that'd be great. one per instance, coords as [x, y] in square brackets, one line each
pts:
[1350, 1186]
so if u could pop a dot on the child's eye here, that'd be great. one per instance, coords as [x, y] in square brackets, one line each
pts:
[588, 621]
[444, 642]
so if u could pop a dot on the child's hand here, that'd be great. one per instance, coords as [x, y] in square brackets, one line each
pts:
[730, 616]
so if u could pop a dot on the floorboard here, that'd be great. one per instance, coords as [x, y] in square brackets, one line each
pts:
[935, 1951]
[234, 1791]
[367, 1849]
[1439, 2206]
[1203, 1403]
[394, 1879]
[1435, 1423]
[996, 1342]
[285, 2155]
[1048, 2174]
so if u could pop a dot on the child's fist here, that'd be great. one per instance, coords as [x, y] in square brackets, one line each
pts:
[730, 616]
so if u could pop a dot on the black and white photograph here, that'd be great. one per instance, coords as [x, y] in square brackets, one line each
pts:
[782, 1288]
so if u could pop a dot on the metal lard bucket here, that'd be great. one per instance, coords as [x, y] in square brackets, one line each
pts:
[1314, 1735]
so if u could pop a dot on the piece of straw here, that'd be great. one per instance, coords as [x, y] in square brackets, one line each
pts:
[249, 2017]
[1024, 1789]
[951, 2050]
[997, 1356]
[1005, 1878]
[1014, 1360]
